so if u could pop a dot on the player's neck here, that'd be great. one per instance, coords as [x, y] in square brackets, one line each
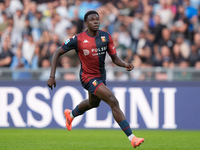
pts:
[92, 33]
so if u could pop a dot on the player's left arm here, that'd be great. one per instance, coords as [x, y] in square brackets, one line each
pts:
[119, 62]
[115, 59]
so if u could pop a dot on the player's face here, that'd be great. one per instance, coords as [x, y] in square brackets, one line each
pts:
[93, 22]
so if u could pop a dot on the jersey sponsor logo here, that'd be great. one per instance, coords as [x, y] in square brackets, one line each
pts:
[86, 52]
[85, 41]
[95, 82]
[103, 38]
[99, 51]
[67, 41]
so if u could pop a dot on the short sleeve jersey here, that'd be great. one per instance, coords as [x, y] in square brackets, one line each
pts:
[92, 53]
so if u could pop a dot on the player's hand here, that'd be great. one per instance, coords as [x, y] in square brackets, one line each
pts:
[129, 66]
[51, 82]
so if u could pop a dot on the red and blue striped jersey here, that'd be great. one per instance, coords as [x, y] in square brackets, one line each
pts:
[91, 52]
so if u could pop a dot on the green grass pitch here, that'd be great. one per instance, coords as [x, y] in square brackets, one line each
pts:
[96, 139]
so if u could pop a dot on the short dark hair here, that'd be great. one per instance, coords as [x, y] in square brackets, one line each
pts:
[89, 13]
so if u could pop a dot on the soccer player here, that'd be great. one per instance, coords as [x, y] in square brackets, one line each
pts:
[91, 47]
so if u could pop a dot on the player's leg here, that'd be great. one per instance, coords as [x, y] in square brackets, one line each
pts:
[92, 102]
[107, 96]
[87, 104]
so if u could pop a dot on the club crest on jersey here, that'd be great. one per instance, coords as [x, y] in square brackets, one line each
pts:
[85, 41]
[95, 82]
[103, 38]
[86, 52]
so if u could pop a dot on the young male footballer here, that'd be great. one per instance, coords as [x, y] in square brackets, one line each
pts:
[91, 47]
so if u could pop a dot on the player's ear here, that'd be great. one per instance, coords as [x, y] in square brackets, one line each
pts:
[86, 23]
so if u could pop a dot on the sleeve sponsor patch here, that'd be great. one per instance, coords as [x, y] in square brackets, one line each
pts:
[67, 41]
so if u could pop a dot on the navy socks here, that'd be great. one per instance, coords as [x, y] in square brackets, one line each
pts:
[124, 125]
[76, 112]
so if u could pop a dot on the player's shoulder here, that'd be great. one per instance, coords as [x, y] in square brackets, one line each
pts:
[71, 40]
[102, 32]
[81, 34]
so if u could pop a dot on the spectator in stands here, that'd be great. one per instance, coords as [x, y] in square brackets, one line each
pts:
[51, 49]
[196, 75]
[124, 36]
[190, 11]
[13, 35]
[28, 49]
[137, 24]
[137, 75]
[194, 55]
[195, 3]
[196, 24]
[45, 38]
[55, 39]
[164, 61]
[184, 46]
[181, 23]
[62, 9]
[3, 22]
[66, 64]
[197, 39]
[146, 55]
[35, 15]
[156, 24]
[27, 30]
[38, 22]
[18, 61]
[70, 32]
[2, 11]
[156, 32]
[112, 13]
[6, 54]
[176, 55]
[36, 61]
[120, 48]
[165, 12]
[45, 64]
[19, 21]
[165, 40]
[61, 25]
[164, 55]
[183, 75]
[77, 22]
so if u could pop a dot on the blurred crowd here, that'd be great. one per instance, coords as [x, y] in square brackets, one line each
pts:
[147, 33]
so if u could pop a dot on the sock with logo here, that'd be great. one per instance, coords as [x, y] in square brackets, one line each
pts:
[75, 112]
[124, 125]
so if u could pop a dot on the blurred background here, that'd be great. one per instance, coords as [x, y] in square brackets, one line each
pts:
[161, 38]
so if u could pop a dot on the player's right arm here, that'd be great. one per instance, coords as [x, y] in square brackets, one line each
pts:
[55, 58]
[66, 46]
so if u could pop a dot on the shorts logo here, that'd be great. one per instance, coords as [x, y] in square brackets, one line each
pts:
[86, 52]
[103, 38]
[95, 82]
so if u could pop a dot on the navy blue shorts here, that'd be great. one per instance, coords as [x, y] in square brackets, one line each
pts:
[93, 84]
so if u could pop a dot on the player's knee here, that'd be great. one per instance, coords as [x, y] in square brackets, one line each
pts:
[94, 105]
[113, 102]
